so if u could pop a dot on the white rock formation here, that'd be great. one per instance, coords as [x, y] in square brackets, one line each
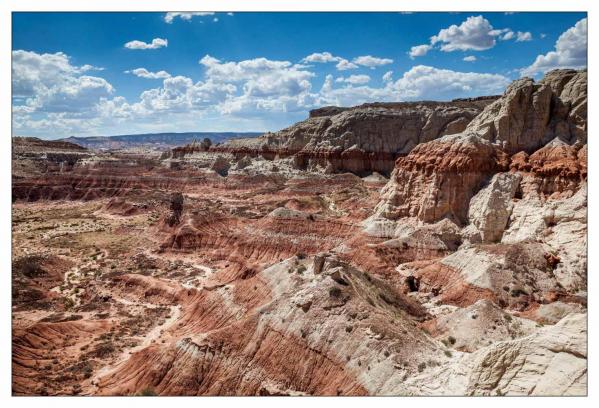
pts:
[491, 207]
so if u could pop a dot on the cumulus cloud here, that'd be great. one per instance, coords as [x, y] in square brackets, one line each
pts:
[321, 57]
[344, 65]
[353, 95]
[172, 15]
[50, 83]
[371, 62]
[470, 58]
[523, 36]
[140, 45]
[505, 34]
[259, 73]
[419, 83]
[266, 84]
[419, 50]
[144, 73]
[424, 82]
[473, 34]
[354, 79]
[53, 95]
[570, 52]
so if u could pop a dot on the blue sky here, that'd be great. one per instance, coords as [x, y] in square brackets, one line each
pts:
[112, 73]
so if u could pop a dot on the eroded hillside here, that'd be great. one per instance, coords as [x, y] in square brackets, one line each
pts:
[387, 249]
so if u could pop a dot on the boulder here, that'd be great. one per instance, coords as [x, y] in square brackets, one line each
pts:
[221, 166]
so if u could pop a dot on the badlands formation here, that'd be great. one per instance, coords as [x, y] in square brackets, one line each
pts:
[425, 248]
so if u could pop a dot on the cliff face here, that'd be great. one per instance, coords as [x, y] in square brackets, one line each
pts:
[360, 139]
[371, 137]
[437, 179]
[503, 181]
[529, 114]
[32, 156]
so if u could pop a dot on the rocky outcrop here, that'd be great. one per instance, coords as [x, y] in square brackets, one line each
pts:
[562, 225]
[360, 139]
[556, 170]
[550, 362]
[34, 144]
[32, 156]
[530, 114]
[515, 276]
[465, 178]
[220, 165]
[473, 327]
[438, 179]
[491, 207]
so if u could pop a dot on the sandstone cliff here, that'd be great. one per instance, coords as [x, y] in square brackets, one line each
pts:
[530, 114]
[360, 139]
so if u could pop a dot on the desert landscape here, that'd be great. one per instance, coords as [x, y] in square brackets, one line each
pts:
[389, 248]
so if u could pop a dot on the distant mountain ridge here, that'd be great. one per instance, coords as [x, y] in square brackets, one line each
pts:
[154, 140]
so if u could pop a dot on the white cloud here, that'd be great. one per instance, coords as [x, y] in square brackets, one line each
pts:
[506, 34]
[144, 73]
[419, 83]
[371, 62]
[267, 85]
[354, 79]
[470, 58]
[523, 36]
[353, 95]
[419, 50]
[344, 65]
[215, 19]
[49, 83]
[230, 14]
[140, 45]
[52, 96]
[473, 34]
[570, 52]
[424, 82]
[172, 15]
[258, 72]
[321, 57]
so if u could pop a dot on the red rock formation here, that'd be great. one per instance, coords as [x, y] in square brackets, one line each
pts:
[438, 179]
[554, 170]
